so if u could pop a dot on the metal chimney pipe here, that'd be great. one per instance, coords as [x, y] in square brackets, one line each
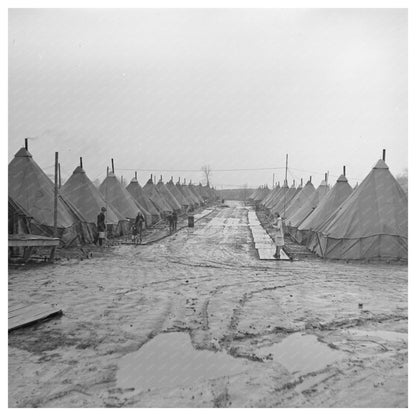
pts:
[80, 162]
[112, 164]
[384, 155]
[301, 182]
[135, 174]
[26, 147]
[310, 178]
[344, 170]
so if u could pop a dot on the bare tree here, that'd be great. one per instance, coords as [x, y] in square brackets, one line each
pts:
[402, 178]
[207, 172]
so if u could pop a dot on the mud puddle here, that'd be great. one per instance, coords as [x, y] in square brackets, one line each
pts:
[169, 360]
[301, 353]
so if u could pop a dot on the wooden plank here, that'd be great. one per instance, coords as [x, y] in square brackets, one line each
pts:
[32, 243]
[29, 309]
[267, 254]
[31, 314]
[16, 306]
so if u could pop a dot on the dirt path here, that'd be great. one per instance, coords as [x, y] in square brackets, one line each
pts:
[208, 282]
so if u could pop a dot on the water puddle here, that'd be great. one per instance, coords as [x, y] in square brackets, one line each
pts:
[302, 353]
[170, 360]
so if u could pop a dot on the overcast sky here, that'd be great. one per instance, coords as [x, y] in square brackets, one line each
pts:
[174, 89]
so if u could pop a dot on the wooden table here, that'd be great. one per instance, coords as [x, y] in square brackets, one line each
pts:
[29, 241]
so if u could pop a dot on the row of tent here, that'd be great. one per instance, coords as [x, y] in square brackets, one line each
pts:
[31, 196]
[367, 222]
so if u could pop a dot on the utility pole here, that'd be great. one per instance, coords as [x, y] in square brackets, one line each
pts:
[55, 200]
[55, 206]
[284, 203]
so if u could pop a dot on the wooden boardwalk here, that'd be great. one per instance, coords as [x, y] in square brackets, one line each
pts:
[23, 315]
[262, 241]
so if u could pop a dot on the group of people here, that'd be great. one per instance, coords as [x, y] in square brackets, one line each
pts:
[136, 229]
[172, 219]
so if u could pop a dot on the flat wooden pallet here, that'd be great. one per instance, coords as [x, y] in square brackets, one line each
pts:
[23, 315]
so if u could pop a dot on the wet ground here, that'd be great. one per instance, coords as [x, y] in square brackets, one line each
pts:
[196, 320]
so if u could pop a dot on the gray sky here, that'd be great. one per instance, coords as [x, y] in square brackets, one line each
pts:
[174, 89]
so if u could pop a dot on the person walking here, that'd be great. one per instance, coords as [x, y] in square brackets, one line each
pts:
[279, 236]
[101, 226]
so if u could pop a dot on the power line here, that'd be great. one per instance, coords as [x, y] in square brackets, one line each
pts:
[197, 170]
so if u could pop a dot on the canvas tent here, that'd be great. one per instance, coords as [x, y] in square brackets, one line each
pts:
[118, 197]
[270, 196]
[177, 194]
[330, 202]
[370, 224]
[195, 192]
[158, 200]
[262, 195]
[136, 191]
[19, 219]
[192, 199]
[284, 200]
[307, 208]
[300, 200]
[33, 191]
[81, 192]
[169, 198]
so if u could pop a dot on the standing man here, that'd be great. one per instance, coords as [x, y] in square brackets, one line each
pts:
[169, 219]
[279, 236]
[175, 220]
[101, 226]
[138, 226]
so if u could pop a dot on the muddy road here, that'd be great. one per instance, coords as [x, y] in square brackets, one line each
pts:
[197, 320]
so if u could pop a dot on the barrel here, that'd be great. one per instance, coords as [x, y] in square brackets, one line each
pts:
[190, 220]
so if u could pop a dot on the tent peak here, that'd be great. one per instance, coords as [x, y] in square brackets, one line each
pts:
[134, 180]
[78, 169]
[342, 178]
[23, 153]
[381, 164]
